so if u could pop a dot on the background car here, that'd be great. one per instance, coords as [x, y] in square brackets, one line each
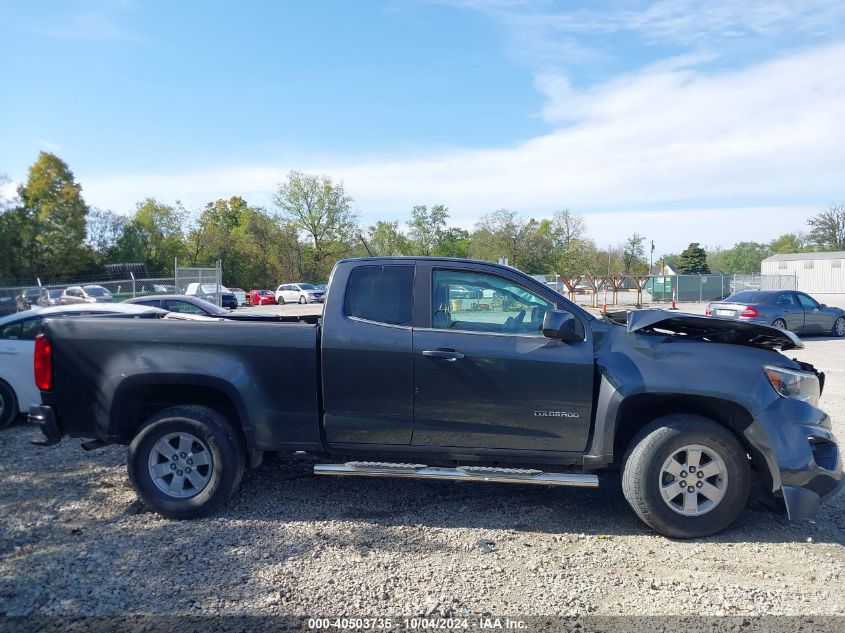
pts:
[784, 309]
[240, 295]
[261, 297]
[86, 294]
[51, 297]
[183, 304]
[299, 293]
[17, 343]
[209, 293]
[29, 298]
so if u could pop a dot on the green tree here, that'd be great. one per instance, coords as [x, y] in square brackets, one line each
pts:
[385, 238]
[104, 229]
[322, 211]
[574, 252]
[633, 255]
[51, 200]
[693, 260]
[744, 257]
[827, 229]
[154, 235]
[426, 228]
[787, 243]
[453, 242]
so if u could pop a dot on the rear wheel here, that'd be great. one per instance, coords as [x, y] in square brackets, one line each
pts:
[8, 405]
[186, 462]
[839, 327]
[686, 476]
[779, 324]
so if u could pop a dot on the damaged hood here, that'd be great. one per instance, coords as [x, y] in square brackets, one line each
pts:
[716, 329]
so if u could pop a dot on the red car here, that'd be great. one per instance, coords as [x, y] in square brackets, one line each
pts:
[261, 297]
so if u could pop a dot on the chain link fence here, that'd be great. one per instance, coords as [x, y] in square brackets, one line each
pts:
[631, 290]
[205, 281]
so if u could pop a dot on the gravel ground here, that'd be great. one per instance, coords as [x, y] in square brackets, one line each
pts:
[74, 540]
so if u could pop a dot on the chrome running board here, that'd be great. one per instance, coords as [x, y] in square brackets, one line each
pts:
[463, 473]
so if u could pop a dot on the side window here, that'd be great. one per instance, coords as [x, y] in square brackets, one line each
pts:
[153, 303]
[806, 302]
[30, 329]
[384, 294]
[12, 330]
[479, 302]
[183, 307]
[785, 299]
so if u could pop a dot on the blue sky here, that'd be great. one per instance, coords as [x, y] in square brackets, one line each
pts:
[721, 117]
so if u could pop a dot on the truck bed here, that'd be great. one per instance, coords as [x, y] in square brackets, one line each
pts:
[268, 371]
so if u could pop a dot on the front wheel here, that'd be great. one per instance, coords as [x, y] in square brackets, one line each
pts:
[186, 462]
[281, 301]
[839, 327]
[686, 476]
[302, 300]
[779, 324]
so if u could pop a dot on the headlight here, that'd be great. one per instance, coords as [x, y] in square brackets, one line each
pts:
[792, 383]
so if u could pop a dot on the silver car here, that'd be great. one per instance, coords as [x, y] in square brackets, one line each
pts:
[86, 294]
[784, 309]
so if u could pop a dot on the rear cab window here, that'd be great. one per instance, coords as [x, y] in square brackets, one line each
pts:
[381, 294]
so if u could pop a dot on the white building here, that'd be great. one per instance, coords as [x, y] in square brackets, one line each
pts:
[814, 272]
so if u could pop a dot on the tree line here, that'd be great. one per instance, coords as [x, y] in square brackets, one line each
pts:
[48, 230]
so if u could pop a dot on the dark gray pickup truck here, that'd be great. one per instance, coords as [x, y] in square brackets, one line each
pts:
[451, 369]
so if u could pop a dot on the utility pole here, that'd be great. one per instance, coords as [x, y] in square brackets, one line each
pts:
[651, 257]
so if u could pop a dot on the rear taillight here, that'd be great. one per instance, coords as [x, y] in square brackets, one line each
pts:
[749, 312]
[708, 312]
[43, 363]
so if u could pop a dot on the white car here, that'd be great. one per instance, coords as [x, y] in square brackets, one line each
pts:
[17, 345]
[299, 293]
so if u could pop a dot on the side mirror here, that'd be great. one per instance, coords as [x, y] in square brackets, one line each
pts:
[563, 326]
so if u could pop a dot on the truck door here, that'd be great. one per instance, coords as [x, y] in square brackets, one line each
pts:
[484, 374]
[366, 356]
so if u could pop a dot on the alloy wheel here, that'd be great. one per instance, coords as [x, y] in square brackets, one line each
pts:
[180, 465]
[693, 480]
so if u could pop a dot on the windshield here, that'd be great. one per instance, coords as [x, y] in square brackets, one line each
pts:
[55, 293]
[96, 291]
[307, 287]
[264, 292]
[212, 288]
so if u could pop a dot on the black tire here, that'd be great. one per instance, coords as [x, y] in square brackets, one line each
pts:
[281, 301]
[642, 474]
[303, 300]
[219, 438]
[779, 324]
[840, 320]
[8, 405]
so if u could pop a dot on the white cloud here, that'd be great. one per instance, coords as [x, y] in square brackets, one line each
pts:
[766, 145]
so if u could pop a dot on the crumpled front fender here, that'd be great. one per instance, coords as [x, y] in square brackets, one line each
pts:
[803, 459]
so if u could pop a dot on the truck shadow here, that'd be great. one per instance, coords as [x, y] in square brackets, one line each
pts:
[492, 506]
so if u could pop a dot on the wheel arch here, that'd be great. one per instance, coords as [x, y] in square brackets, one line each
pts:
[15, 403]
[139, 397]
[627, 415]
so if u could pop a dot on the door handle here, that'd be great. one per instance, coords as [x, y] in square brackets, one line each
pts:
[448, 355]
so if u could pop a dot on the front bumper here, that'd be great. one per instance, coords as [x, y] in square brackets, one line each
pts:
[803, 457]
[43, 416]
